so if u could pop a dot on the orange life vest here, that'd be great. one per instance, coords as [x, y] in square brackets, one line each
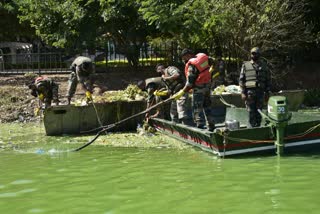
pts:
[202, 64]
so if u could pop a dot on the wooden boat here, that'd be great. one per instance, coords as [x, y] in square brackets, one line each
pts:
[300, 133]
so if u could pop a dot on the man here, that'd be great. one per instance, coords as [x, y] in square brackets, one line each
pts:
[218, 73]
[151, 85]
[82, 69]
[174, 80]
[46, 90]
[255, 84]
[199, 79]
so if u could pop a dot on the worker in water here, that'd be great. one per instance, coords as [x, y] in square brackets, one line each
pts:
[199, 80]
[255, 84]
[174, 80]
[46, 90]
[82, 69]
[151, 85]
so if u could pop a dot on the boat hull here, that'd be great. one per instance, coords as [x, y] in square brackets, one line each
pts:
[70, 119]
[301, 135]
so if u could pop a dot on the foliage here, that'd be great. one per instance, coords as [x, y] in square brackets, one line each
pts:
[11, 28]
[131, 93]
[312, 97]
[234, 27]
[58, 23]
[269, 24]
[87, 24]
[280, 28]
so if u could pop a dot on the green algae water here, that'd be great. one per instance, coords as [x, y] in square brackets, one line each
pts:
[128, 173]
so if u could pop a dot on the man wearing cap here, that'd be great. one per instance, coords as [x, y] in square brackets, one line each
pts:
[255, 84]
[199, 80]
[45, 89]
[174, 80]
[82, 68]
[218, 74]
[151, 85]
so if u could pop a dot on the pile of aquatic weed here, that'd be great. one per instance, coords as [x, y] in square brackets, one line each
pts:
[16, 104]
[136, 140]
[132, 92]
[31, 136]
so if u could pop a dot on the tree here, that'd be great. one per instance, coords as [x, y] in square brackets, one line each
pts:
[11, 28]
[126, 27]
[278, 27]
[87, 24]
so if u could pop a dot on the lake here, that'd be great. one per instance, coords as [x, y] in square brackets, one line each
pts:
[130, 173]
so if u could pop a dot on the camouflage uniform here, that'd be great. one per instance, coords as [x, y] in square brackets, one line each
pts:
[201, 101]
[82, 68]
[151, 85]
[178, 109]
[255, 83]
[219, 67]
[47, 87]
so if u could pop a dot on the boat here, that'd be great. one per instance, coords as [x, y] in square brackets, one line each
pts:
[282, 132]
[76, 120]
[220, 102]
[295, 98]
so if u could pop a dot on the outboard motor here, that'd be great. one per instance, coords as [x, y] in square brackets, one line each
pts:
[278, 117]
[278, 109]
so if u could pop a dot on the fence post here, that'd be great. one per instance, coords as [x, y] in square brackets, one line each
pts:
[38, 49]
[106, 50]
[2, 61]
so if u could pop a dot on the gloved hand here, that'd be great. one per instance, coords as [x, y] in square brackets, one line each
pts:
[243, 96]
[211, 69]
[41, 97]
[36, 111]
[88, 95]
[215, 75]
[160, 93]
[178, 95]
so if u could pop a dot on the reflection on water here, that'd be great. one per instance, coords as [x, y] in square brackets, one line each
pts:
[146, 179]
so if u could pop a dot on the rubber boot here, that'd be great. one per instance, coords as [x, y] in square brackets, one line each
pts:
[211, 127]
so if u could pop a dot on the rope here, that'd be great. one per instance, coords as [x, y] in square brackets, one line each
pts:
[225, 102]
[270, 141]
[304, 133]
[97, 114]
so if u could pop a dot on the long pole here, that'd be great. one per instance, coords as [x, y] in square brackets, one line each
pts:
[108, 127]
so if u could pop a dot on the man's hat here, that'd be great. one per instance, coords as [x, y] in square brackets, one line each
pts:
[142, 84]
[255, 50]
[185, 52]
[159, 65]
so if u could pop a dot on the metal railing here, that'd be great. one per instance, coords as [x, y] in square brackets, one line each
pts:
[32, 63]
[107, 59]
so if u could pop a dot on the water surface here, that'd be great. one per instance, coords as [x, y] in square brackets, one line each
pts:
[127, 173]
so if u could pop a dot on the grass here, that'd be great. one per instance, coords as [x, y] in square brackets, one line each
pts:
[125, 63]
